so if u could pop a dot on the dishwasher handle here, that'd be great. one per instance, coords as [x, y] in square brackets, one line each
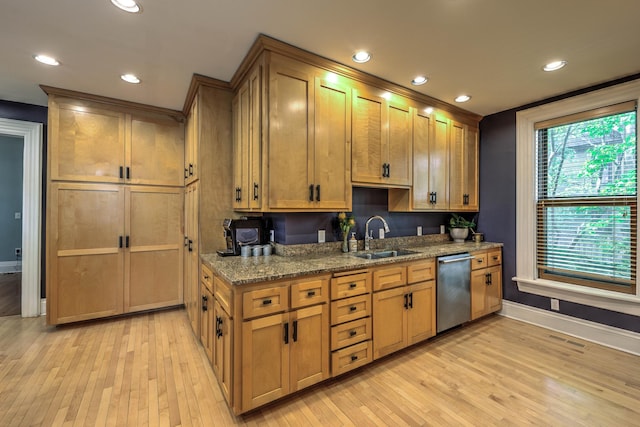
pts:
[449, 261]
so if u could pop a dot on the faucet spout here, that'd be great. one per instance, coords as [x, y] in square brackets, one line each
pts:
[366, 230]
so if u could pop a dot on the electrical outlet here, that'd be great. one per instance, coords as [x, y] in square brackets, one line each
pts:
[17, 215]
[555, 304]
[381, 233]
[419, 230]
[272, 235]
[321, 236]
[18, 251]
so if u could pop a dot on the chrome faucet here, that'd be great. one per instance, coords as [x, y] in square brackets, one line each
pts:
[367, 238]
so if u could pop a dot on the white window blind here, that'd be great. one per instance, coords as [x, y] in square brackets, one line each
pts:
[586, 214]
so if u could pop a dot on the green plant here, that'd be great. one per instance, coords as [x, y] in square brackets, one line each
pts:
[456, 221]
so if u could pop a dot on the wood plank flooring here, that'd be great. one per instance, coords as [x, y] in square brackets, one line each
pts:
[150, 370]
[10, 294]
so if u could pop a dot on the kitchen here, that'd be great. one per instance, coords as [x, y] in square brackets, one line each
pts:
[365, 197]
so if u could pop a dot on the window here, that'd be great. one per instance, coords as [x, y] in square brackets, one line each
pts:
[586, 198]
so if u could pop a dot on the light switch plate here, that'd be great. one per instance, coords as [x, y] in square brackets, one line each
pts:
[321, 236]
[381, 233]
[555, 304]
[17, 215]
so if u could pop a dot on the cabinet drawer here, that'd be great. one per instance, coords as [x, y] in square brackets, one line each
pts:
[350, 333]
[264, 301]
[352, 308]
[350, 285]
[421, 271]
[206, 277]
[309, 292]
[350, 358]
[494, 257]
[389, 277]
[224, 295]
[479, 260]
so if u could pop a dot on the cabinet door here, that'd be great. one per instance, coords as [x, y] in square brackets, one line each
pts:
[290, 138]
[265, 360]
[309, 359]
[478, 293]
[399, 149]
[471, 169]
[153, 262]
[191, 259]
[192, 137]
[439, 165]
[206, 321]
[421, 166]
[86, 143]
[332, 151]
[421, 322]
[155, 151]
[457, 173]
[370, 118]
[389, 321]
[85, 260]
[241, 127]
[222, 347]
[254, 182]
[494, 289]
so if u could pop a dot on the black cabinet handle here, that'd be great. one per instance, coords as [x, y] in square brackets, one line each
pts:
[266, 302]
[255, 191]
[487, 279]
[190, 169]
[190, 245]
[128, 172]
[186, 241]
[352, 285]
[490, 279]
[353, 308]
[286, 333]
[311, 293]
[204, 302]
[433, 197]
[354, 358]
[388, 170]
[410, 299]
[219, 331]
[318, 193]
[406, 301]
[186, 173]
[352, 333]
[121, 172]
[295, 331]
[126, 242]
[311, 193]
[120, 242]
[465, 199]
[385, 170]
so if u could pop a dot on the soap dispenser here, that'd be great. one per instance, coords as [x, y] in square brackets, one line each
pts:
[353, 243]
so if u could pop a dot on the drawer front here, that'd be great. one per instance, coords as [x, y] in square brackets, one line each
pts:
[350, 333]
[351, 285]
[350, 358]
[264, 301]
[310, 292]
[494, 257]
[206, 277]
[480, 260]
[224, 295]
[348, 309]
[421, 271]
[389, 277]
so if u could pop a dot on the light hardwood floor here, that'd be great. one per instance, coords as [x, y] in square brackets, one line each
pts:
[150, 370]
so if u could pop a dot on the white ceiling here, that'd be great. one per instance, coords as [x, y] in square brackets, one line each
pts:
[490, 49]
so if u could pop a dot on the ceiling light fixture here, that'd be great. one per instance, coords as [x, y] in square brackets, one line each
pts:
[555, 65]
[44, 59]
[462, 98]
[130, 78]
[127, 5]
[361, 56]
[419, 80]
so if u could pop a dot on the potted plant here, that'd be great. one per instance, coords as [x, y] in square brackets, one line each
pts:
[459, 228]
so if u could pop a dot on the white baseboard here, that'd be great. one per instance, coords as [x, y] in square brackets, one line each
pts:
[10, 267]
[43, 306]
[619, 339]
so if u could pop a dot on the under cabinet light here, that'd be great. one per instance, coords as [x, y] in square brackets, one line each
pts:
[127, 5]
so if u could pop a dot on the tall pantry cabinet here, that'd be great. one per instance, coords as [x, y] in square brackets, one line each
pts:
[208, 180]
[114, 207]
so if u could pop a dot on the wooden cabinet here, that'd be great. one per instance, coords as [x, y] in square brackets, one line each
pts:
[463, 170]
[97, 142]
[382, 140]
[405, 314]
[222, 343]
[206, 320]
[193, 276]
[486, 283]
[191, 147]
[112, 249]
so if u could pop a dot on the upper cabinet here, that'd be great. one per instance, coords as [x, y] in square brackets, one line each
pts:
[95, 142]
[382, 140]
[463, 176]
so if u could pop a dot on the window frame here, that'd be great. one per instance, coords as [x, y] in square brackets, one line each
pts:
[526, 200]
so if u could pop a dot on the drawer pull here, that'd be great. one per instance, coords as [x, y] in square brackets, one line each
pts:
[266, 301]
[353, 308]
[354, 358]
[311, 293]
[495, 257]
[352, 285]
[206, 277]
[352, 333]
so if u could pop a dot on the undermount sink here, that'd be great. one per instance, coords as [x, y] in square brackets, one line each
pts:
[385, 254]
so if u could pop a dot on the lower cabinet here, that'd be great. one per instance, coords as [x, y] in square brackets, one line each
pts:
[486, 283]
[222, 344]
[206, 320]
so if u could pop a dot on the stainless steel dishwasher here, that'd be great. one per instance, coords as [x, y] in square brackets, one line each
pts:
[453, 305]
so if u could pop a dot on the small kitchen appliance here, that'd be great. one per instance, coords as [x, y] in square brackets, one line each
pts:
[244, 232]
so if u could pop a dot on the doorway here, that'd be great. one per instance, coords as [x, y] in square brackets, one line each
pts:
[31, 133]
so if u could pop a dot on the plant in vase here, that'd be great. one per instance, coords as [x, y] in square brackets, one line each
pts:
[346, 223]
[459, 228]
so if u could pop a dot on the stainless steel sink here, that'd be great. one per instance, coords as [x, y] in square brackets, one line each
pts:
[385, 254]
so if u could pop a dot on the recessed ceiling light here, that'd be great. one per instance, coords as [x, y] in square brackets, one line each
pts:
[428, 110]
[127, 5]
[130, 78]
[419, 80]
[462, 98]
[46, 60]
[361, 56]
[555, 65]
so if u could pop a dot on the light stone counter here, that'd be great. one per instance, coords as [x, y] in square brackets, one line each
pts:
[239, 271]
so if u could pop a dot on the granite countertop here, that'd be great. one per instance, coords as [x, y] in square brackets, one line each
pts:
[239, 270]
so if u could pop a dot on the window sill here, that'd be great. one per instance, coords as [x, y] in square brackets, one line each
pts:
[623, 303]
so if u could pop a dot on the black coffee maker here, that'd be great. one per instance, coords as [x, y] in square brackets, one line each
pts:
[242, 232]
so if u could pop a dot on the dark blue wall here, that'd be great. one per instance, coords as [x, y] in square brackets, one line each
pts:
[498, 210]
[37, 114]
